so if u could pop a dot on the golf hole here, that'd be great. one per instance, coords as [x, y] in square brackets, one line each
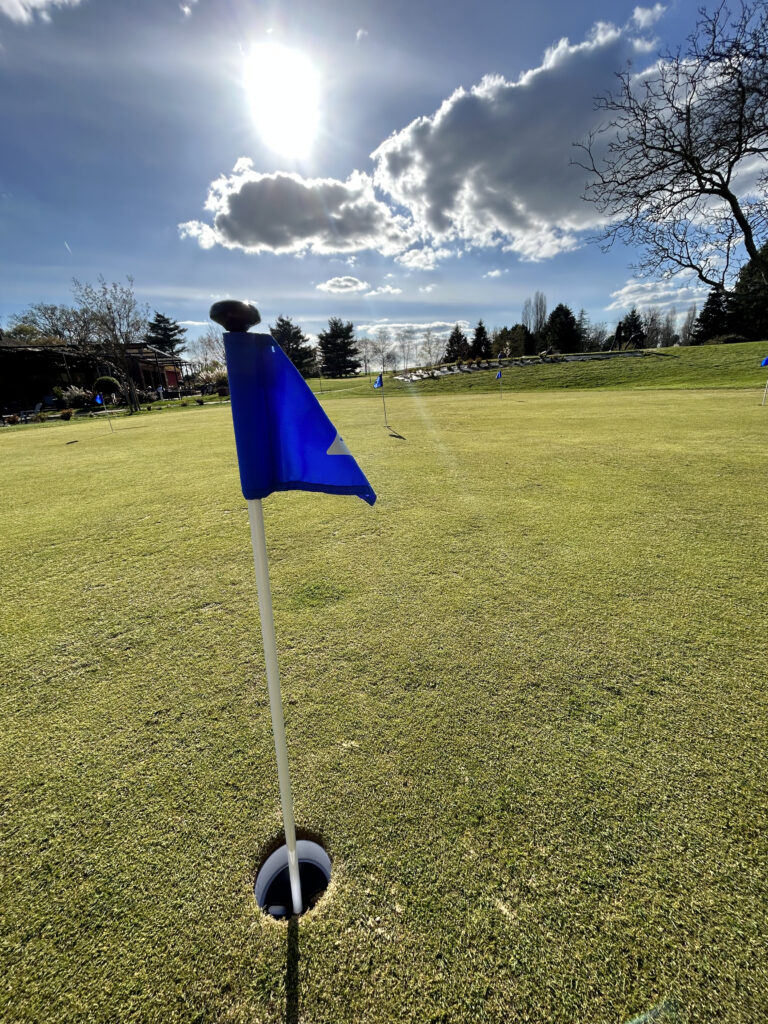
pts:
[273, 887]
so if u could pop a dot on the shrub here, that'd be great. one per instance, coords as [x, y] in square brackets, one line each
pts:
[66, 414]
[76, 397]
[107, 385]
[726, 339]
[40, 417]
[13, 420]
[200, 401]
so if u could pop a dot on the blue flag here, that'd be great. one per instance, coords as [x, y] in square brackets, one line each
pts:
[284, 440]
[378, 383]
[764, 362]
[498, 375]
[99, 400]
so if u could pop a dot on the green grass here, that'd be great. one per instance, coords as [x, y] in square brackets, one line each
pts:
[708, 366]
[525, 700]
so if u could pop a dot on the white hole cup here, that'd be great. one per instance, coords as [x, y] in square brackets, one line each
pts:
[307, 852]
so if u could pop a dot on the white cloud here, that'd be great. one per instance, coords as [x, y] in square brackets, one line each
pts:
[440, 328]
[644, 17]
[492, 166]
[423, 259]
[25, 10]
[385, 289]
[659, 294]
[360, 34]
[495, 273]
[285, 213]
[343, 284]
[194, 323]
[427, 288]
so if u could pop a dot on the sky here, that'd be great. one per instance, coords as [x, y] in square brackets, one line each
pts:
[390, 163]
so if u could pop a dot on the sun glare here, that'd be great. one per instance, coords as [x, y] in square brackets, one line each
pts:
[283, 92]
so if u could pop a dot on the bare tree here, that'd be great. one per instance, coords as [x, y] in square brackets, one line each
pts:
[365, 351]
[686, 331]
[597, 336]
[405, 344]
[119, 322]
[539, 312]
[432, 348]
[527, 317]
[668, 334]
[207, 349]
[381, 348]
[652, 327]
[673, 168]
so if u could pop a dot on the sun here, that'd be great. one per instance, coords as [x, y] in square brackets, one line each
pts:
[283, 92]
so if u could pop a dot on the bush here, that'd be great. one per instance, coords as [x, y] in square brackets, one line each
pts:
[66, 414]
[726, 339]
[40, 417]
[13, 420]
[200, 401]
[106, 385]
[76, 397]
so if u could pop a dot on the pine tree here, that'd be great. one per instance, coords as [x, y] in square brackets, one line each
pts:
[480, 347]
[562, 332]
[633, 335]
[457, 347]
[714, 318]
[292, 340]
[338, 350]
[166, 334]
[749, 306]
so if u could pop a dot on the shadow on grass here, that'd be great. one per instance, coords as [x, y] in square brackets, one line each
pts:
[394, 433]
[292, 973]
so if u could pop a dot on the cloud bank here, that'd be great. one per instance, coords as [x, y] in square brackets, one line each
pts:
[490, 168]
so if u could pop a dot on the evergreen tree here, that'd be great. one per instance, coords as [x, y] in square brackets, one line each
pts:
[749, 302]
[481, 343]
[562, 331]
[166, 334]
[632, 333]
[583, 327]
[292, 340]
[338, 349]
[510, 341]
[457, 347]
[714, 318]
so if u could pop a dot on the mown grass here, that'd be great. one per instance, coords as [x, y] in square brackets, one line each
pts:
[707, 366]
[525, 701]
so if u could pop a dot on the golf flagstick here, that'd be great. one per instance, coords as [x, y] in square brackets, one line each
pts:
[379, 383]
[285, 442]
[258, 540]
[765, 393]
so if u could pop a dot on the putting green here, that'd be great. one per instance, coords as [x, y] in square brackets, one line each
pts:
[525, 701]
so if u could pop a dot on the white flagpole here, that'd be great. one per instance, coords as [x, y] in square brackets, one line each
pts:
[765, 393]
[259, 542]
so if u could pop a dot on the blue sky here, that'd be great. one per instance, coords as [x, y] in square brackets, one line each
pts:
[389, 163]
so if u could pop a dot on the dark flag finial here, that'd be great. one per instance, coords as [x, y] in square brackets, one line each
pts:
[234, 316]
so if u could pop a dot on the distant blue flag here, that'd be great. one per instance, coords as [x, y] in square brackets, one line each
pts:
[285, 442]
[99, 400]
[378, 383]
[764, 362]
[498, 375]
